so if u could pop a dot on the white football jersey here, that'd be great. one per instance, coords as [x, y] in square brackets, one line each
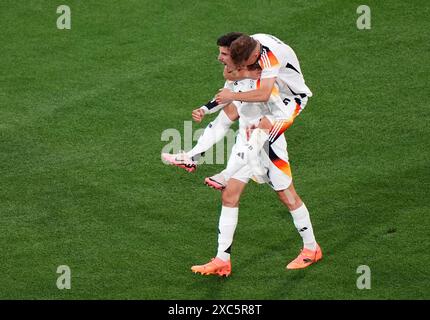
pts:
[277, 59]
[250, 113]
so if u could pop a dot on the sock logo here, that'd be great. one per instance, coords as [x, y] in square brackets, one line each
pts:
[228, 250]
[303, 229]
[241, 155]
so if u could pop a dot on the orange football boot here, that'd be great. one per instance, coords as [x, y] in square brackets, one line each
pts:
[215, 266]
[305, 258]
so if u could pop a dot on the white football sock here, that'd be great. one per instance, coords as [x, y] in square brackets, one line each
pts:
[213, 133]
[247, 154]
[226, 227]
[303, 224]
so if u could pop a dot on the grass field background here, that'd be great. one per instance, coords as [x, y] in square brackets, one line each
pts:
[81, 117]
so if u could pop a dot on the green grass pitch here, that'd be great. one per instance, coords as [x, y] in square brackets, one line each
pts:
[82, 112]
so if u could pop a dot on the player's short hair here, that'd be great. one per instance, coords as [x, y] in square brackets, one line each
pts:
[241, 48]
[253, 67]
[227, 39]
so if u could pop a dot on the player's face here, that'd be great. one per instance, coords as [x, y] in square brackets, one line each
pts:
[224, 57]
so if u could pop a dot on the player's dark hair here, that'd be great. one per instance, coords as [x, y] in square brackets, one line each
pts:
[242, 48]
[227, 39]
[253, 67]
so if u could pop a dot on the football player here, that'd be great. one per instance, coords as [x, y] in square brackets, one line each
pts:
[240, 169]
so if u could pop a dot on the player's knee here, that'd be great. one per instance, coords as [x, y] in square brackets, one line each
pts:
[229, 199]
[291, 200]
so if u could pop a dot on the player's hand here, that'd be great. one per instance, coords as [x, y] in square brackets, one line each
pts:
[198, 115]
[224, 96]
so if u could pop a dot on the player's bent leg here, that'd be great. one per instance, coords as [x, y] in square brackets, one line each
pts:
[215, 131]
[257, 141]
[218, 180]
[248, 154]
